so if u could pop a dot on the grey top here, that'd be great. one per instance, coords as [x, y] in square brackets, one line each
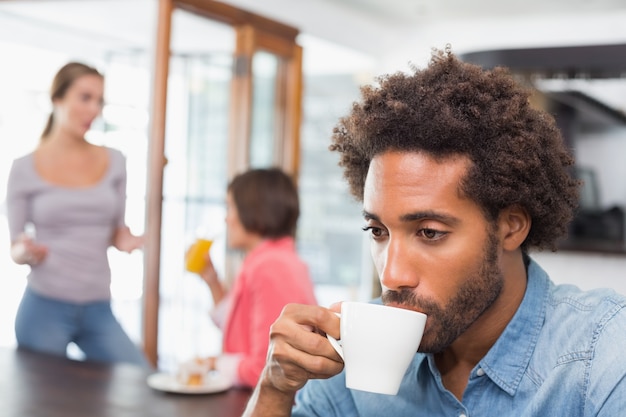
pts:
[75, 223]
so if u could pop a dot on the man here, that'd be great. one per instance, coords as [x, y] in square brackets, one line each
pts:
[459, 177]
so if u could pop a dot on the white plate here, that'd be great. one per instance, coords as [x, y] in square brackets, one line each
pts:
[167, 382]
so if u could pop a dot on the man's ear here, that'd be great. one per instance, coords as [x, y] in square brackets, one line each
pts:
[514, 225]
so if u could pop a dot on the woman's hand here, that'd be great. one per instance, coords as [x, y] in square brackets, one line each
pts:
[209, 275]
[25, 251]
[208, 272]
[125, 241]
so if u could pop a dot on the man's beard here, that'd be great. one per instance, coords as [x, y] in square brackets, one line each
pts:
[479, 291]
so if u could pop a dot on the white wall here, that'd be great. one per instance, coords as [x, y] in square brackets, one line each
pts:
[585, 270]
[605, 152]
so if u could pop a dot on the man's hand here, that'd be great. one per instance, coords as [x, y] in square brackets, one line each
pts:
[298, 351]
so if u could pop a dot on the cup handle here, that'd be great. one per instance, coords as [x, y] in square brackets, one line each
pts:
[336, 344]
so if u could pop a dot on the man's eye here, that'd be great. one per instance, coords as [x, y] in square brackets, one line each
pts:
[431, 234]
[374, 231]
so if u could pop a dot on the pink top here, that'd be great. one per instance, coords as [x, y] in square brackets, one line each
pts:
[271, 276]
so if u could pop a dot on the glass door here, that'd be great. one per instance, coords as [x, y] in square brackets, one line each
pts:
[266, 96]
[212, 117]
[194, 182]
[263, 150]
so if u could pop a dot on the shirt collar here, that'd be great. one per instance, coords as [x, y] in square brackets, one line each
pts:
[508, 358]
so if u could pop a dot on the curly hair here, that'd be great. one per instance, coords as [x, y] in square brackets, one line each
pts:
[454, 108]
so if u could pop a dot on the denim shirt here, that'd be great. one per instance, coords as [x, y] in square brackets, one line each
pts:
[562, 354]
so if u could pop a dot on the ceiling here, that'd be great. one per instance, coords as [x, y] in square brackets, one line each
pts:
[417, 11]
[368, 26]
[373, 25]
[392, 32]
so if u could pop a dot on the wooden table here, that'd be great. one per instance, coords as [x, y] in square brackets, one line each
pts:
[39, 385]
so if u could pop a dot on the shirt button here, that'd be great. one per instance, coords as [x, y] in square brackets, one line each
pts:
[480, 372]
[462, 415]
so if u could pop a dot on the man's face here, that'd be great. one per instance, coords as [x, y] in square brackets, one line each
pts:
[433, 249]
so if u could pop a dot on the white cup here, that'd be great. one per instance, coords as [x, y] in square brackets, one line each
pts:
[377, 345]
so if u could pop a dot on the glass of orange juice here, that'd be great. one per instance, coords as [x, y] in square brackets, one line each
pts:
[195, 257]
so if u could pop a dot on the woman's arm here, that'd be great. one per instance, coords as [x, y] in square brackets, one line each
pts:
[209, 275]
[24, 250]
[125, 241]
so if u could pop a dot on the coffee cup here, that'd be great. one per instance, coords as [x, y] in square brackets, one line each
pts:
[195, 257]
[377, 344]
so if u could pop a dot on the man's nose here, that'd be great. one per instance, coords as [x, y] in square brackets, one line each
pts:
[397, 266]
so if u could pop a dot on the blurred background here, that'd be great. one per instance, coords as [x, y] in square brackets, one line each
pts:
[223, 112]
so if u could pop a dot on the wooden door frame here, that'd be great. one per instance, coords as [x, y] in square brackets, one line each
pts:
[288, 99]
[254, 33]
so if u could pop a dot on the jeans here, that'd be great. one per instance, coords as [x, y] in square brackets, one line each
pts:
[49, 325]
